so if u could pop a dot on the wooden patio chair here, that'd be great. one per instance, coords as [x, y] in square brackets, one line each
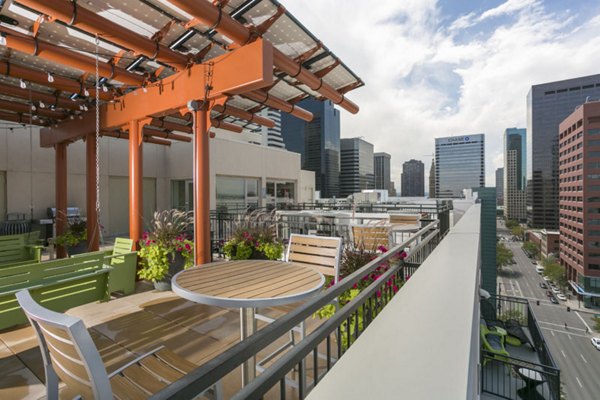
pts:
[318, 252]
[371, 237]
[69, 354]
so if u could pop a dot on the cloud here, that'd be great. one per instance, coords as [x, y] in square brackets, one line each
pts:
[427, 77]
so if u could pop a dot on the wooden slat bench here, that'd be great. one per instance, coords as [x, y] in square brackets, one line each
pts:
[57, 284]
[17, 249]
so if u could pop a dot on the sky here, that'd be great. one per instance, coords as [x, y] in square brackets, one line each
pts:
[454, 67]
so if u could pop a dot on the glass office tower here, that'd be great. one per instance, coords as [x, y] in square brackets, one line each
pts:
[459, 164]
[318, 143]
[547, 105]
[382, 171]
[357, 172]
[413, 179]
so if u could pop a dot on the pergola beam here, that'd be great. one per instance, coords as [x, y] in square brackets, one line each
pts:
[40, 77]
[20, 119]
[266, 99]
[61, 55]
[86, 20]
[49, 99]
[26, 108]
[210, 15]
[245, 115]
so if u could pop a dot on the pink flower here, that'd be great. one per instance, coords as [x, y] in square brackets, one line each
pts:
[378, 293]
[403, 255]
[395, 289]
[382, 249]
[355, 286]
[145, 235]
[407, 277]
[147, 243]
[188, 247]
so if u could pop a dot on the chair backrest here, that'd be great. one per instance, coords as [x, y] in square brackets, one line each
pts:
[403, 219]
[371, 237]
[319, 252]
[68, 352]
[122, 246]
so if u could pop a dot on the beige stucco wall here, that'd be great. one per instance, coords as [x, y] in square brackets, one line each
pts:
[27, 167]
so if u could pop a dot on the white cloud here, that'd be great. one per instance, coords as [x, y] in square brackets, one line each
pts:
[424, 80]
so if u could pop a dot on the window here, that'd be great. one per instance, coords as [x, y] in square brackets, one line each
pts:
[235, 192]
[594, 266]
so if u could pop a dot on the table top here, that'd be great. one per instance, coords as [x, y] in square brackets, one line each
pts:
[247, 283]
[530, 374]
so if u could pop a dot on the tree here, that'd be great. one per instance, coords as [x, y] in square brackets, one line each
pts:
[597, 323]
[518, 231]
[531, 248]
[555, 272]
[511, 223]
[504, 256]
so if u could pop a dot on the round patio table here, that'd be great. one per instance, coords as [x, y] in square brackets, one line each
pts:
[247, 285]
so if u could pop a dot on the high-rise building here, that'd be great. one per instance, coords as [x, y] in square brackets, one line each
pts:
[318, 142]
[413, 179]
[392, 189]
[271, 136]
[515, 180]
[547, 105]
[356, 172]
[432, 179]
[579, 200]
[459, 164]
[382, 171]
[500, 186]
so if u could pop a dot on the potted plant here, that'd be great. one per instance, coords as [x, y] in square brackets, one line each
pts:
[254, 238]
[74, 240]
[166, 248]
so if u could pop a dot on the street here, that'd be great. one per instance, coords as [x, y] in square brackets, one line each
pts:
[570, 345]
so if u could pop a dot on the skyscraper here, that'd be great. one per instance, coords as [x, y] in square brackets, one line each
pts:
[382, 171]
[500, 186]
[515, 181]
[459, 164]
[318, 142]
[271, 136]
[432, 179]
[413, 179]
[547, 105]
[579, 200]
[356, 171]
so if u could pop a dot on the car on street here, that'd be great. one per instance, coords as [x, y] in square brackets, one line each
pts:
[555, 289]
[553, 300]
[596, 342]
[546, 279]
[539, 269]
[561, 296]
[543, 285]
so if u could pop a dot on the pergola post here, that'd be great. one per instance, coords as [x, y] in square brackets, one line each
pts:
[60, 159]
[201, 174]
[93, 227]
[136, 176]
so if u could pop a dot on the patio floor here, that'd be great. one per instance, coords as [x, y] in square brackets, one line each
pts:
[123, 328]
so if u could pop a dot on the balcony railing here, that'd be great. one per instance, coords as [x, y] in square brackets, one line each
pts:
[503, 379]
[324, 346]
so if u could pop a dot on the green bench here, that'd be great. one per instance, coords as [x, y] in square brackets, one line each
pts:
[57, 284]
[19, 249]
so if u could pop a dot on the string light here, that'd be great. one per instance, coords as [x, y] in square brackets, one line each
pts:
[145, 89]
[85, 108]
[22, 84]
[41, 104]
[71, 116]
[104, 88]
[33, 107]
[86, 92]
[50, 77]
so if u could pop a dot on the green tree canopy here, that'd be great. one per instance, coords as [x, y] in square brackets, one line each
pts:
[517, 231]
[504, 256]
[555, 271]
[511, 223]
[531, 248]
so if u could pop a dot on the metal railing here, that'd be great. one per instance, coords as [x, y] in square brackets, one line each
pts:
[505, 381]
[318, 347]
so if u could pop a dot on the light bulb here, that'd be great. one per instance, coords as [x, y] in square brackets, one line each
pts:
[145, 89]
[71, 116]
[104, 88]
[22, 84]
[81, 106]
[42, 105]
[85, 108]
[33, 107]
[81, 117]
[50, 77]
[34, 117]
[86, 92]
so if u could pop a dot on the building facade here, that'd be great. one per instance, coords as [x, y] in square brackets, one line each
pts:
[382, 167]
[579, 200]
[271, 136]
[357, 172]
[459, 164]
[547, 105]
[318, 143]
[432, 179]
[500, 186]
[413, 179]
[515, 177]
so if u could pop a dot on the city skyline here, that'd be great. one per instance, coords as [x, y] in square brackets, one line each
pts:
[455, 55]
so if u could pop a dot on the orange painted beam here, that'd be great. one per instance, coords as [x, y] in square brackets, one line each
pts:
[217, 123]
[26, 108]
[36, 76]
[245, 115]
[161, 123]
[245, 69]
[61, 55]
[136, 178]
[125, 135]
[68, 130]
[60, 193]
[209, 15]
[92, 225]
[166, 135]
[19, 119]
[265, 98]
[48, 99]
[88, 21]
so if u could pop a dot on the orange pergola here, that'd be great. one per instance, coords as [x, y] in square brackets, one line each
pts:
[164, 69]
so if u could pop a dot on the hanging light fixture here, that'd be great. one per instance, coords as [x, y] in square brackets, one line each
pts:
[41, 104]
[22, 84]
[104, 88]
[50, 77]
[86, 92]
[33, 107]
